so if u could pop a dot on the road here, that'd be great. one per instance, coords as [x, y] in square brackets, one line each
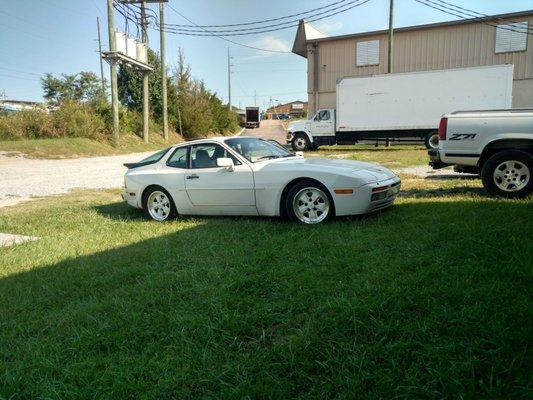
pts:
[22, 178]
[269, 129]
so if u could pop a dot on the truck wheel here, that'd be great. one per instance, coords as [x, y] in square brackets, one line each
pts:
[301, 142]
[432, 140]
[508, 174]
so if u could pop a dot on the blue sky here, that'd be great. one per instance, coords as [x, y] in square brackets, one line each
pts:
[58, 36]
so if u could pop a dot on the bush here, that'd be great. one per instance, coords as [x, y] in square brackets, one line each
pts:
[73, 119]
[70, 120]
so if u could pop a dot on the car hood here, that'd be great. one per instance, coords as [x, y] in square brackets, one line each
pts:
[338, 166]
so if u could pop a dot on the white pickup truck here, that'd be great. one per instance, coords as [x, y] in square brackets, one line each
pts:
[497, 145]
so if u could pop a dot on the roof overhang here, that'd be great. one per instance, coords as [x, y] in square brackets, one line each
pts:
[305, 33]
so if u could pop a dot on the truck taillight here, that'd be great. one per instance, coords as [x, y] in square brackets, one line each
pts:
[443, 126]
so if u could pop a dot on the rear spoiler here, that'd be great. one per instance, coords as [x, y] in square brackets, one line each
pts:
[138, 164]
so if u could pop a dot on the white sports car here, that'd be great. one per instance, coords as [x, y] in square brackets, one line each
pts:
[250, 176]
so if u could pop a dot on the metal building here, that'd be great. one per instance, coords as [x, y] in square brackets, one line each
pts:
[498, 39]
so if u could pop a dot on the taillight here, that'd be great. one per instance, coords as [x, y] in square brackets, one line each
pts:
[443, 126]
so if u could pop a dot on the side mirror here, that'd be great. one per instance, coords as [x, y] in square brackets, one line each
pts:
[226, 162]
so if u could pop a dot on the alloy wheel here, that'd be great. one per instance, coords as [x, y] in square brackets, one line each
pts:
[158, 205]
[311, 205]
[511, 175]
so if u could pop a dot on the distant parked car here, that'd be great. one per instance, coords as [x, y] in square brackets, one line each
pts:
[497, 144]
[251, 176]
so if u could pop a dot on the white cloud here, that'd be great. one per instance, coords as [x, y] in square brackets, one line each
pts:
[329, 27]
[271, 43]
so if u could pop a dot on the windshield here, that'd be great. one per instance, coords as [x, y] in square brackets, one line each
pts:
[255, 150]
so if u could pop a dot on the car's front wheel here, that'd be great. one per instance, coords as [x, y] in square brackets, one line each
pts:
[158, 204]
[309, 202]
[508, 174]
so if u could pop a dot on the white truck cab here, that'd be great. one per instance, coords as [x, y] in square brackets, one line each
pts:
[310, 133]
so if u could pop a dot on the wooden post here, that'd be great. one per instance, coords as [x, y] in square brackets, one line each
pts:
[113, 66]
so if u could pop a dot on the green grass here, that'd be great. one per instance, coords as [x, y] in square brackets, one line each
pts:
[79, 147]
[395, 156]
[430, 299]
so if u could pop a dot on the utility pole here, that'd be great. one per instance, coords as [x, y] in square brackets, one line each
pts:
[100, 54]
[114, 85]
[229, 81]
[255, 98]
[163, 68]
[146, 115]
[391, 37]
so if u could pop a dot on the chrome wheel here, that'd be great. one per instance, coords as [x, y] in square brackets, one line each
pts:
[311, 205]
[300, 143]
[158, 205]
[511, 175]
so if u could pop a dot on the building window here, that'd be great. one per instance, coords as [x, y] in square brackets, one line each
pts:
[367, 53]
[511, 37]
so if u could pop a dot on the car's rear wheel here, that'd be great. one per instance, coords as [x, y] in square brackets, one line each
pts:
[508, 174]
[158, 204]
[309, 202]
[301, 142]
[432, 140]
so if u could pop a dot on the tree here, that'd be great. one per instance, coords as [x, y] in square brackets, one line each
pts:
[130, 86]
[85, 86]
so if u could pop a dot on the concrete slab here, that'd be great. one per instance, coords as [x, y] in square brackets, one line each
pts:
[7, 239]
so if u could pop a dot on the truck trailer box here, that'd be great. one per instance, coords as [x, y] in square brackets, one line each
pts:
[417, 100]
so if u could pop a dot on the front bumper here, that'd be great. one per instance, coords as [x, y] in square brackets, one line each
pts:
[364, 200]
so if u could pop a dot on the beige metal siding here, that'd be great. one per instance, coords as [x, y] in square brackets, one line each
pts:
[442, 47]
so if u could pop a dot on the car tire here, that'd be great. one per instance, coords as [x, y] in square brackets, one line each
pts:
[301, 142]
[431, 140]
[508, 173]
[309, 202]
[158, 204]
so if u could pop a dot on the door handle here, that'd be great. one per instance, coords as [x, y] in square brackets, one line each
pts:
[193, 176]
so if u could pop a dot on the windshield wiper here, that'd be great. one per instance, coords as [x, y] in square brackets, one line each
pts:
[271, 156]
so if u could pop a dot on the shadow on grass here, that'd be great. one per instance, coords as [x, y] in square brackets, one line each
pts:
[444, 192]
[452, 177]
[236, 308]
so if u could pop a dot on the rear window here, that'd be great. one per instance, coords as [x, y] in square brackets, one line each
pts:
[154, 157]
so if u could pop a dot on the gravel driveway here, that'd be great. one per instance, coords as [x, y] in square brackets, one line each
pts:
[22, 178]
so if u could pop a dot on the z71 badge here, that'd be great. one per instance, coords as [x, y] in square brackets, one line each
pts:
[462, 136]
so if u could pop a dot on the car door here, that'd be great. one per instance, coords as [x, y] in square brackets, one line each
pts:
[323, 124]
[217, 190]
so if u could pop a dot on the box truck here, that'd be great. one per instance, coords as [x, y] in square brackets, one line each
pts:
[402, 106]
[252, 117]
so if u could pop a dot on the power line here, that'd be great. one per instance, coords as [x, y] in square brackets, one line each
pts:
[263, 21]
[479, 14]
[20, 77]
[443, 8]
[22, 72]
[270, 25]
[353, 4]
[225, 39]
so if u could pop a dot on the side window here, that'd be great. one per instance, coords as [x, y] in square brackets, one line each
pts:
[205, 155]
[179, 158]
[324, 115]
